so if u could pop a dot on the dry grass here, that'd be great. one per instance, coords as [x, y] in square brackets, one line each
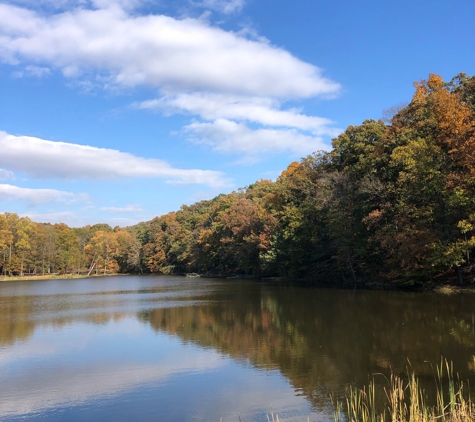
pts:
[275, 417]
[450, 290]
[405, 401]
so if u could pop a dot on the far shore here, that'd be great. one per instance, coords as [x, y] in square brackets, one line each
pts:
[445, 289]
[53, 277]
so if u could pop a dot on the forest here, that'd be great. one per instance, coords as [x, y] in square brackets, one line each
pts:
[392, 203]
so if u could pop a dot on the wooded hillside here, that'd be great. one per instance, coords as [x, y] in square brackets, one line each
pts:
[393, 201]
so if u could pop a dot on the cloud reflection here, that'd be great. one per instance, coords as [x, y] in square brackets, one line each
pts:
[43, 384]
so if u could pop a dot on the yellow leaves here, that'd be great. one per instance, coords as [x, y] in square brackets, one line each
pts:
[204, 237]
[24, 228]
[6, 235]
[442, 114]
[424, 88]
[451, 254]
[421, 91]
[465, 226]
[102, 247]
[420, 159]
[452, 114]
[435, 81]
[455, 123]
[404, 155]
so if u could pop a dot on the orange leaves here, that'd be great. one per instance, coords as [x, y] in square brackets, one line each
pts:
[441, 113]
[456, 123]
[424, 88]
[374, 217]
[291, 169]
[421, 91]
[435, 82]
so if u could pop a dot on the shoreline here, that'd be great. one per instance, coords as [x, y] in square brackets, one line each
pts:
[54, 277]
[444, 289]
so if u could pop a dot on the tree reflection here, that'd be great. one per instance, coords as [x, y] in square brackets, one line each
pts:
[323, 340]
[15, 320]
[20, 316]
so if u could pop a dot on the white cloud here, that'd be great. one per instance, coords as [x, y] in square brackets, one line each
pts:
[154, 50]
[128, 208]
[125, 4]
[67, 217]
[47, 159]
[36, 196]
[80, 219]
[71, 387]
[5, 174]
[226, 78]
[36, 71]
[262, 110]
[223, 6]
[62, 4]
[123, 222]
[226, 136]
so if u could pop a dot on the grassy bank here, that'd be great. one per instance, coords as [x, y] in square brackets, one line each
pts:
[406, 401]
[52, 277]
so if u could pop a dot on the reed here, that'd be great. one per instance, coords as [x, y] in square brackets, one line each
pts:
[274, 417]
[405, 401]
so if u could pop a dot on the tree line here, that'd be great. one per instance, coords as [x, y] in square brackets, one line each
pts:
[393, 201]
[33, 248]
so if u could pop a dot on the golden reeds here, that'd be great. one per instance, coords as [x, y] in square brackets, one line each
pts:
[405, 401]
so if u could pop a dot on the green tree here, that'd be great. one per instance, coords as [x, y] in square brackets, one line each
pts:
[68, 253]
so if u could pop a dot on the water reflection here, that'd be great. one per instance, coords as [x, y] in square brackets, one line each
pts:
[321, 340]
[65, 380]
[217, 347]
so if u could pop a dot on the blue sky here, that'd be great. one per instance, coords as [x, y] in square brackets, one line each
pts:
[120, 110]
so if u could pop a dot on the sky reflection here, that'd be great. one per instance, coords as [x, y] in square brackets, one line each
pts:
[81, 369]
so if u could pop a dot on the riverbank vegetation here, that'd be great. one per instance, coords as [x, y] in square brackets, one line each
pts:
[406, 401]
[392, 202]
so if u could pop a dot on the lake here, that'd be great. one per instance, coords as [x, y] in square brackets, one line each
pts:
[158, 348]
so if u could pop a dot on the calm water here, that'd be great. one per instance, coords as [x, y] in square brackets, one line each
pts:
[181, 349]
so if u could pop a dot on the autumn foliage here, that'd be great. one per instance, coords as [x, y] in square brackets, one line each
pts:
[392, 201]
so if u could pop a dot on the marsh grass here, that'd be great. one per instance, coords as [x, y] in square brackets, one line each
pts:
[405, 401]
[273, 417]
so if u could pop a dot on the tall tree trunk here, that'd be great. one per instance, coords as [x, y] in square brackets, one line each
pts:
[10, 261]
[350, 262]
[92, 267]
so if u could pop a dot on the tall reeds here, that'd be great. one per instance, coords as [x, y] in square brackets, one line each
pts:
[405, 401]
